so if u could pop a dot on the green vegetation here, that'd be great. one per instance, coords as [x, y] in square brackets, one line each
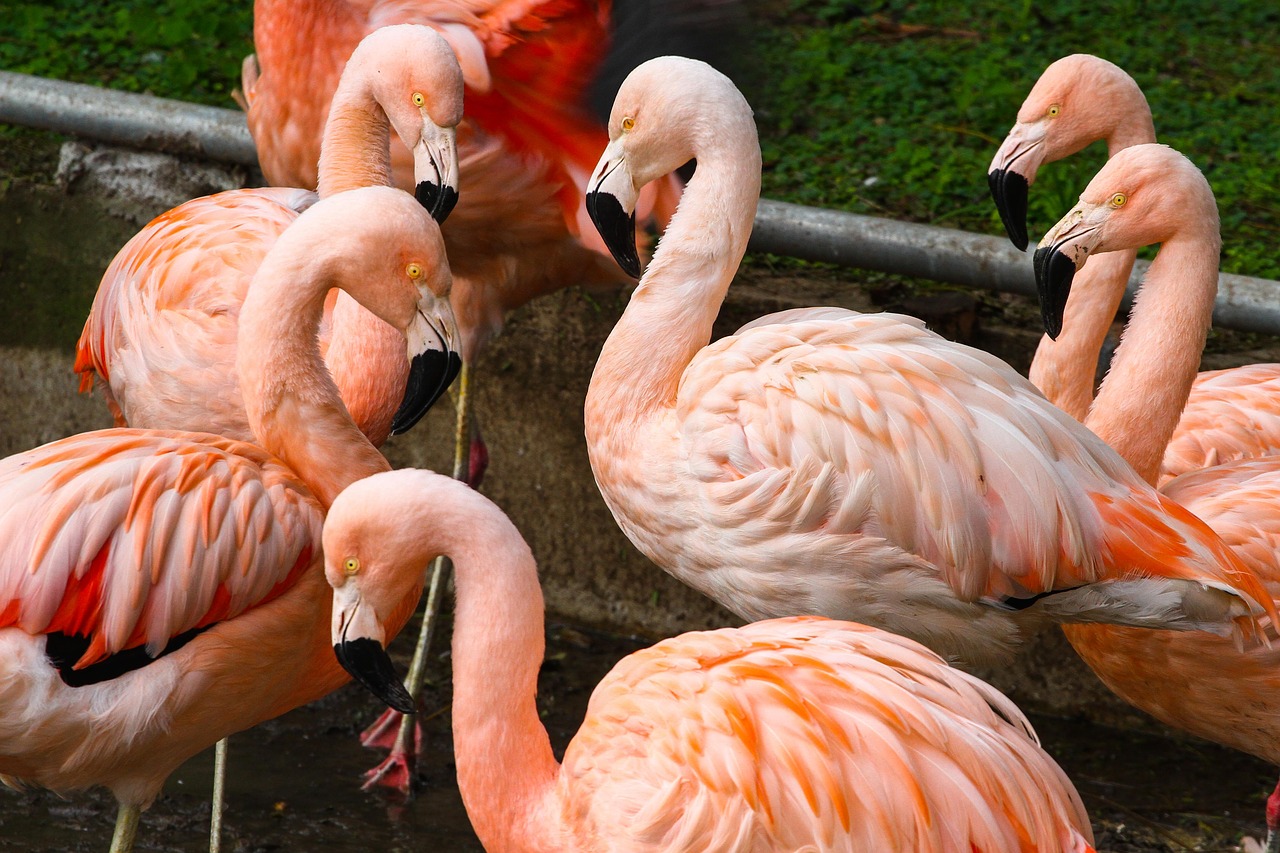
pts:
[895, 108]
[891, 108]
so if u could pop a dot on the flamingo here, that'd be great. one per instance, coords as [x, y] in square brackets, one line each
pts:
[526, 148]
[791, 734]
[161, 336]
[1152, 194]
[1230, 414]
[854, 466]
[162, 589]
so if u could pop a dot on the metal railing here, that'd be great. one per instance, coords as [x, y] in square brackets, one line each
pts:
[830, 236]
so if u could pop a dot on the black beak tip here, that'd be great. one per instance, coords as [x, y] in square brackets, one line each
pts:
[430, 375]
[367, 662]
[617, 228]
[1009, 192]
[1054, 273]
[438, 200]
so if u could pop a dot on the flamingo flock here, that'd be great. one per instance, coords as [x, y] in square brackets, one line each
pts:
[875, 501]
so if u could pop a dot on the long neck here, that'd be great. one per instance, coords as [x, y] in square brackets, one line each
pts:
[356, 149]
[293, 405]
[669, 317]
[506, 769]
[1142, 397]
[1064, 369]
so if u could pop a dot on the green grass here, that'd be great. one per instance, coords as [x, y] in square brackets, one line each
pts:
[856, 110]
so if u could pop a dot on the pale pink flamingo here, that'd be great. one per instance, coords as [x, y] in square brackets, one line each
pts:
[1152, 194]
[854, 466]
[161, 336]
[160, 590]
[792, 734]
[526, 148]
[1230, 414]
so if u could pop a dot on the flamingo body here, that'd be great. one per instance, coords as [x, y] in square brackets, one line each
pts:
[790, 734]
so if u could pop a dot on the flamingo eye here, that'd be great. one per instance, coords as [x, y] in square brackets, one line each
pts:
[1118, 199]
[628, 122]
[414, 271]
[350, 566]
[419, 99]
[1054, 109]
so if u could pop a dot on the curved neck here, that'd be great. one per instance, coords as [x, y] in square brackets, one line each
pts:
[1064, 369]
[506, 769]
[1142, 397]
[292, 404]
[1136, 127]
[669, 317]
[356, 148]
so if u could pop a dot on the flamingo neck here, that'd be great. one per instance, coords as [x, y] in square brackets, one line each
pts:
[356, 148]
[1064, 370]
[367, 360]
[1142, 397]
[506, 769]
[292, 404]
[669, 317]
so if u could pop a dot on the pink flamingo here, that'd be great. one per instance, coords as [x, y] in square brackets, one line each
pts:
[163, 589]
[161, 337]
[526, 146]
[1152, 194]
[854, 466]
[1230, 414]
[792, 734]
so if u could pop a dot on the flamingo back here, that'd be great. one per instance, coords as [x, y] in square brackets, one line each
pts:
[131, 538]
[1231, 414]
[810, 734]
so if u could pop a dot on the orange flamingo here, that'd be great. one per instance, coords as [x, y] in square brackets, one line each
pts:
[162, 589]
[1152, 194]
[161, 336]
[526, 148]
[854, 466]
[1230, 414]
[792, 734]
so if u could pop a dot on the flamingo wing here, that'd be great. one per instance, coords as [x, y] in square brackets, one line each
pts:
[810, 734]
[840, 424]
[165, 316]
[131, 538]
[1231, 414]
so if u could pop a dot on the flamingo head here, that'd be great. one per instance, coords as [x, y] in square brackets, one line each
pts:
[1078, 100]
[1145, 194]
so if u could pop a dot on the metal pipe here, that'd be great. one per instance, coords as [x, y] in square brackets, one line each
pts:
[830, 236]
[960, 257]
[140, 121]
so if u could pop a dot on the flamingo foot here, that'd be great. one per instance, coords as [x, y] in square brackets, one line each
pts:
[1272, 845]
[384, 731]
[395, 772]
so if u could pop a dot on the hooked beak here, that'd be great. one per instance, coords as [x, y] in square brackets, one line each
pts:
[435, 170]
[1011, 174]
[1063, 251]
[611, 204]
[434, 361]
[358, 645]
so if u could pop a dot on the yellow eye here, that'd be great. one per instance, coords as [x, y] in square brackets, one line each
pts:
[350, 565]
[419, 99]
[1054, 109]
[1118, 199]
[414, 271]
[628, 122]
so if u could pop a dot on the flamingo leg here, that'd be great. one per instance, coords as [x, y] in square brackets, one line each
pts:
[126, 829]
[1273, 821]
[219, 791]
[396, 771]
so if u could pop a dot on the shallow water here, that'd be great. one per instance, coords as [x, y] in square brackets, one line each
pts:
[294, 782]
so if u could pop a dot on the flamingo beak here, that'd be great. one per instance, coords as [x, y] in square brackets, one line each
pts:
[434, 361]
[1011, 174]
[358, 645]
[1060, 254]
[611, 204]
[435, 170]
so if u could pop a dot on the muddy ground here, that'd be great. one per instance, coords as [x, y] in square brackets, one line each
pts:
[295, 781]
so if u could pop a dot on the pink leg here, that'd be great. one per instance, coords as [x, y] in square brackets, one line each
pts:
[477, 457]
[397, 769]
[1273, 821]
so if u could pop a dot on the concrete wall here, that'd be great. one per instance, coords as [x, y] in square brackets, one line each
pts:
[56, 240]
